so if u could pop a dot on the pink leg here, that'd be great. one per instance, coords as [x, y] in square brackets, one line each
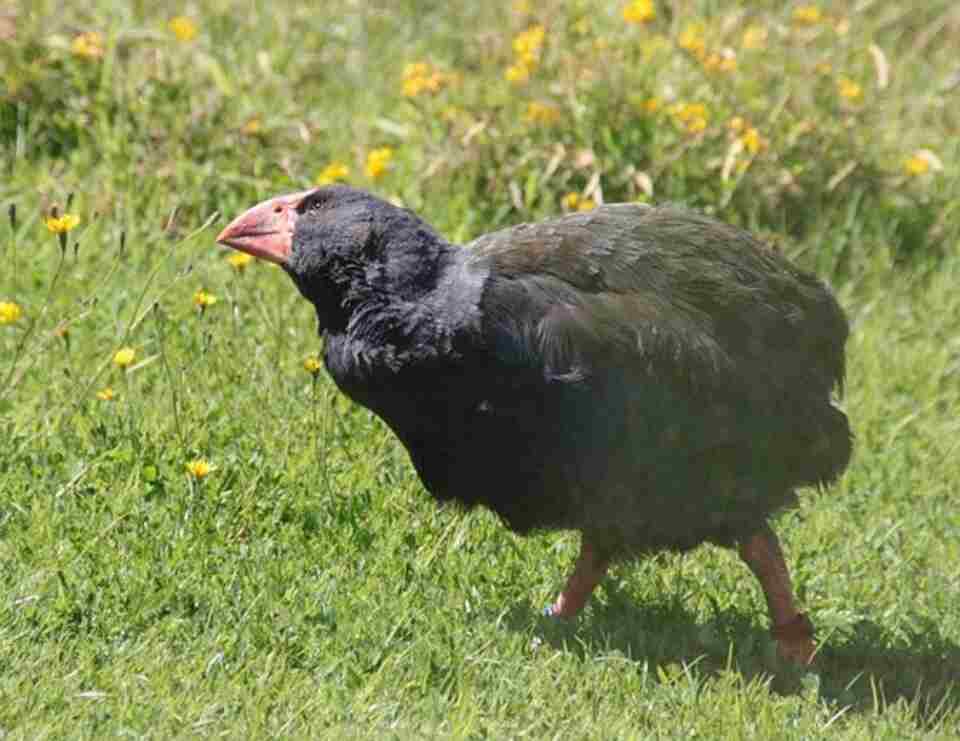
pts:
[792, 629]
[587, 573]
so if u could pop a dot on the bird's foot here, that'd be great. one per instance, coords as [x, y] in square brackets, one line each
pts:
[560, 609]
[795, 640]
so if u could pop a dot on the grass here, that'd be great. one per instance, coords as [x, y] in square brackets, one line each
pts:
[307, 586]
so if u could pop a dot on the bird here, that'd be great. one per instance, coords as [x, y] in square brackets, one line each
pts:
[649, 376]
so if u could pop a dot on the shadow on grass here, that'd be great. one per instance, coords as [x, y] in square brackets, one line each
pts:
[864, 670]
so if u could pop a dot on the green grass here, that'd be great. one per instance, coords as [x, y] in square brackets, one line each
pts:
[308, 587]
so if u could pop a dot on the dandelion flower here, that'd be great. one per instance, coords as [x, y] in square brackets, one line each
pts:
[199, 468]
[651, 105]
[311, 365]
[106, 394]
[691, 116]
[378, 161]
[754, 37]
[183, 28]
[124, 357]
[333, 173]
[807, 15]
[575, 202]
[202, 299]
[87, 45]
[849, 89]
[517, 73]
[252, 127]
[722, 61]
[62, 224]
[9, 312]
[527, 44]
[921, 162]
[542, 113]
[752, 141]
[421, 77]
[692, 40]
[639, 11]
[239, 260]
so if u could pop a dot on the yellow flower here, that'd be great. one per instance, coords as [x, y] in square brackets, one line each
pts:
[183, 28]
[527, 44]
[575, 202]
[199, 468]
[921, 162]
[311, 365]
[202, 299]
[419, 77]
[416, 69]
[412, 86]
[332, 173]
[736, 124]
[914, 165]
[807, 15]
[849, 89]
[63, 224]
[106, 394]
[542, 113]
[639, 11]
[239, 260]
[754, 37]
[691, 116]
[724, 61]
[9, 312]
[252, 127]
[124, 357]
[651, 105]
[692, 40]
[517, 73]
[752, 141]
[378, 161]
[88, 45]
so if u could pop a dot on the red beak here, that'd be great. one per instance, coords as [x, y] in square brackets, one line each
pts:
[266, 230]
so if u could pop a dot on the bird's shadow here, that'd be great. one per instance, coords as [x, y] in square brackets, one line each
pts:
[856, 670]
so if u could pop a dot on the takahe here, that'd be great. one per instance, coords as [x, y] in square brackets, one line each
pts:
[646, 375]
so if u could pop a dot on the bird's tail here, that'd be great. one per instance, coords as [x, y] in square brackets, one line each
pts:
[826, 443]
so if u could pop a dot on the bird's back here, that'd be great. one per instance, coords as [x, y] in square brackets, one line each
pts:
[655, 359]
[647, 374]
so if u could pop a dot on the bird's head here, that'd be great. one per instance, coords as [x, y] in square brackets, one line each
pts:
[343, 248]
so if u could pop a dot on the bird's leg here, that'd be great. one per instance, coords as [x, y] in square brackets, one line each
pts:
[791, 628]
[587, 573]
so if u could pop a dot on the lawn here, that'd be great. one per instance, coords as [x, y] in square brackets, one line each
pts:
[200, 537]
